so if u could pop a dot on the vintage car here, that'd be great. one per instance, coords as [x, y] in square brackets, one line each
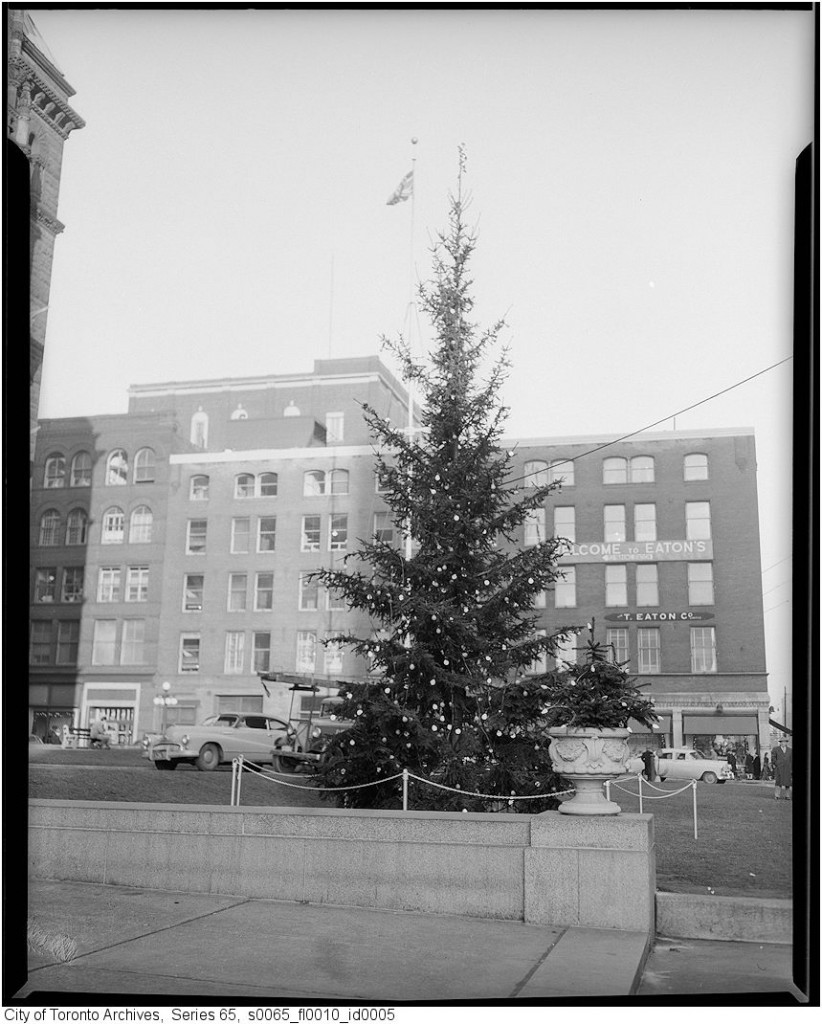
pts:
[218, 739]
[684, 763]
[305, 748]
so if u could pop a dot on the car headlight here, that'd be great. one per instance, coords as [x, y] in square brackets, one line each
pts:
[184, 741]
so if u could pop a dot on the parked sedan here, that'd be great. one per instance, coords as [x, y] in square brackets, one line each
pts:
[307, 744]
[684, 763]
[217, 740]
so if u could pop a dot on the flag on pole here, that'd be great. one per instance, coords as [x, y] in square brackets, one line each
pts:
[402, 191]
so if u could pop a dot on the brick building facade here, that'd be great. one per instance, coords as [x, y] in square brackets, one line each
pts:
[208, 502]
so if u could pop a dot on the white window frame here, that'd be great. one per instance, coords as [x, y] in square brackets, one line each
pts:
[616, 586]
[145, 466]
[645, 524]
[189, 638]
[561, 471]
[334, 427]
[693, 470]
[265, 483]
[338, 481]
[237, 536]
[193, 589]
[245, 486]
[49, 531]
[649, 657]
[307, 544]
[535, 473]
[565, 588]
[642, 469]
[703, 655]
[70, 641]
[54, 474]
[259, 663]
[137, 583]
[694, 528]
[234, 590]
[338, 535]
[197, 491]
[45, 584]
[117, 468]
[264, 590]
[272, 533]
[647, 589]
[81, 467]
[307, 589]
[133, 647]
[306, 656]
[104, 648]
[564, 521]
[617, 640]
[701, 591]
[76, 527]
[201, 536]
[613, 527]
[614, 470]
[140, 525]
[313, 483]
[534, 527]
[109, 584]
[385, 534]
[234, 652]
[73, 595]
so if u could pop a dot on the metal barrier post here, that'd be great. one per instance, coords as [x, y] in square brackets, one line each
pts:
[640, 792]
[405, 789]
[696, 834]
[233, 779]
[239, 777]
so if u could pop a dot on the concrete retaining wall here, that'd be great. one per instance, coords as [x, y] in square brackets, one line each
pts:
[544, 869]
[741, 919]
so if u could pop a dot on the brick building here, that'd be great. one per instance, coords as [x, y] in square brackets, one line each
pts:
[208, 502]
[39, 120]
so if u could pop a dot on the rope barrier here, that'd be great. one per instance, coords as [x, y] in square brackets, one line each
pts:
[640, 778]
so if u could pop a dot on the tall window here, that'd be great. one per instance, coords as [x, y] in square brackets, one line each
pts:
[647, 585]
[108, 584]
[338, 532]
[313, 483]
[199, 428]
[383, 528]
[117, 468]
[697, 520]
[76, 527]
[381, 482]
[310, 534]
[266, 533]
[539, 600]
[703, 649]
[50, 529]
[334, 427]
[306, 650]
[696, 467]
[616, 586]
[237, 592]
[700, 583]
[264, 592]
[240, 535]
[536, 473]
[332, 658]
[565, 522]
[565, 589]
[193, 589]
[268, 485]
[561, 471]
[133, 647]
[113, 531]
[40, 643]
[338, 481]
[104, 642]
[648, 651]
[137, 583]
[45, 585]
[244, 485]
[614, 522]
[617, 641]
[309, 593]
[198, 488]
[566, 653]
[189, 652]
[140, 525]
[144, 466]
[642, 469]
[614, 471]
[334, 601]
[73, 584]
[535, 527]
[196, 536]
[261, 652]
[81, 470]
[68, 639]
[55, 474]
[234, 652]
[645, 522]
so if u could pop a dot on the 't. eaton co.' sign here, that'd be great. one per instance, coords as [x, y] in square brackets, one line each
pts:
[641, 551]
[659, 616]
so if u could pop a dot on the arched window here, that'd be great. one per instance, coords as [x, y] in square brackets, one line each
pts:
[144, 466]
[81, 470]
[50, 528]
[561, 471]
[55, 474]
[268, 485]
[199, 488]
[313, 483]
[615, 471]
[117, 468]
[139, 531]
[199, 428]
[244, 485]
[536, 474]
[76, 526]
[113, 526]
[642, 469]
[338, 483]
[696, 466]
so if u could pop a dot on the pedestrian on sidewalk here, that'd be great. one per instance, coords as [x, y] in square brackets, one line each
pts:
[757, 768]
[783, 770]
[767, 774]
[649, 770]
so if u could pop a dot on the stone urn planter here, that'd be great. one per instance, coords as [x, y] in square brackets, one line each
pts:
[588, 757]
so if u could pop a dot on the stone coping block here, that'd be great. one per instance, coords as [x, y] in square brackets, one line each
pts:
[616, 832]
[735, 918]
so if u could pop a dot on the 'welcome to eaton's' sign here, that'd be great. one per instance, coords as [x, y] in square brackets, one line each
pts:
[641, 551]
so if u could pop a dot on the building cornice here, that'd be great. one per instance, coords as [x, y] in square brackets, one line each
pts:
[44, 100]
[270, 454]
[594, 439]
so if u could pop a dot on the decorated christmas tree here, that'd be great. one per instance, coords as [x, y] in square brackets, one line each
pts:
[452, 695]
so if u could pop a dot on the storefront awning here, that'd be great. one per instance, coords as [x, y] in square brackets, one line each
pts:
[727, 725]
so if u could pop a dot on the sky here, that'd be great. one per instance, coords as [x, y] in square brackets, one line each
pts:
[631, 180]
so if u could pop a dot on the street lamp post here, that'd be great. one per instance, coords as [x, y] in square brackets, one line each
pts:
[165, 701]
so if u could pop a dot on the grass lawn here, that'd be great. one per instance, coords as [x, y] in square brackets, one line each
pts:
[744, 846]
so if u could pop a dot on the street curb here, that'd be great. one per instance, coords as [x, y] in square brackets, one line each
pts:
[734, 918]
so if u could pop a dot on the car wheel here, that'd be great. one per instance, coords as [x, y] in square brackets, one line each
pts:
[283, 764]
[165, 766]
[209, 758]
[709, 777]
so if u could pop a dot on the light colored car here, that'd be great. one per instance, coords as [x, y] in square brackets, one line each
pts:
[684, 763]
[217, 740]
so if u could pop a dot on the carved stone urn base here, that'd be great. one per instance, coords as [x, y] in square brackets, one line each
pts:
[588, 758]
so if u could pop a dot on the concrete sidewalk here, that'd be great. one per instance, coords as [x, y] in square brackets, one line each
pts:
[112, 942]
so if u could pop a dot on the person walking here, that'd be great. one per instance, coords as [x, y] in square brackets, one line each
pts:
[783, 770]
[757, 768]
[766, 767]
[749, 765]
[732, 761]
[649, 770]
